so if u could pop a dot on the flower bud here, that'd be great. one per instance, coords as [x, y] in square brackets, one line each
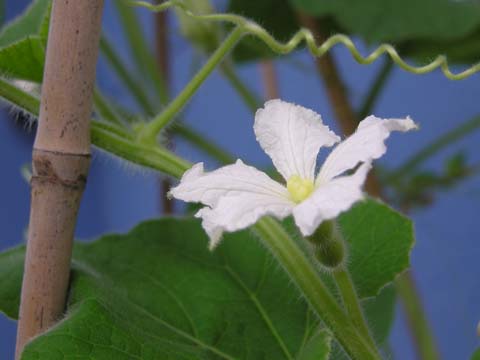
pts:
[328, 244]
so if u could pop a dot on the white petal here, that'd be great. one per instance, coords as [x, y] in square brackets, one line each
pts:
[207, 188]
[236, 195]
[292, 136]
[365, 145]
[330, 199]
[236, 212]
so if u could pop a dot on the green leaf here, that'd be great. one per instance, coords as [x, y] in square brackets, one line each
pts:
[380, 241]
[476, 355]
[420, 28]
[318, 347]
[29, 23]
[24, 59]
[392, 20]
[23, 41]
[158, 293]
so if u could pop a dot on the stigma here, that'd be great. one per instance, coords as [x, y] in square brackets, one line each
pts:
[299, 188]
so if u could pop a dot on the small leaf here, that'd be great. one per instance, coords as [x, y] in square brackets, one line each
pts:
[23, 60]
[22, 43]
[158, 293]
[476, 355]
[318, 347]
[380, 240]
[29, 23]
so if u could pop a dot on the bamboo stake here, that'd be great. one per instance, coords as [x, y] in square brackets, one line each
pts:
[60, 161]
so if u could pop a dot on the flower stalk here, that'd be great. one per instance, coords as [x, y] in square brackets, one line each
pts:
[306, 278]
[330, 250]
[61, 159]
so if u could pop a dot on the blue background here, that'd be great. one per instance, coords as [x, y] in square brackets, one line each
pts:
[118, 195]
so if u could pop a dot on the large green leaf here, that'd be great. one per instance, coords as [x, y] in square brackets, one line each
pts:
[158, 293]
[420, 28]
[380, 241]
[393, 20]
[22, 43]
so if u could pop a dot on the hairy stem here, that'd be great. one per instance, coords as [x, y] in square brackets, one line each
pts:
[307, 279]
[351, 302]
[60, 162]
[152, 129]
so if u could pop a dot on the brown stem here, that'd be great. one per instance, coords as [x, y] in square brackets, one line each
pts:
[348, 122]
[61, 158]
[269, 77]
[162, 51]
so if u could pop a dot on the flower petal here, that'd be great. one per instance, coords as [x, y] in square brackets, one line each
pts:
[236, 212]
[292, 136]
[237, 196]
[207, 188]
[365, 145]
[330, 199]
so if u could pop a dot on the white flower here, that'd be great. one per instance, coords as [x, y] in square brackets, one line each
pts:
[237, 195]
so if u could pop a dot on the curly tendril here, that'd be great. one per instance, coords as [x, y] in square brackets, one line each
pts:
[250, 27]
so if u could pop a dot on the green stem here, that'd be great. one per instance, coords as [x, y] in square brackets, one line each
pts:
[136, 90]
[351, 302]
[19, 98]
[431, 149]
[151, 156]
[151, 130]
[104, 109]
[142, 99]
[306, 278]
[144, 60]
[249, 98]
[375, 90]
[422, 333]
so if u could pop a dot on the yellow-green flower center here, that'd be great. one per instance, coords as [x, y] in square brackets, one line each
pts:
[299, 188]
